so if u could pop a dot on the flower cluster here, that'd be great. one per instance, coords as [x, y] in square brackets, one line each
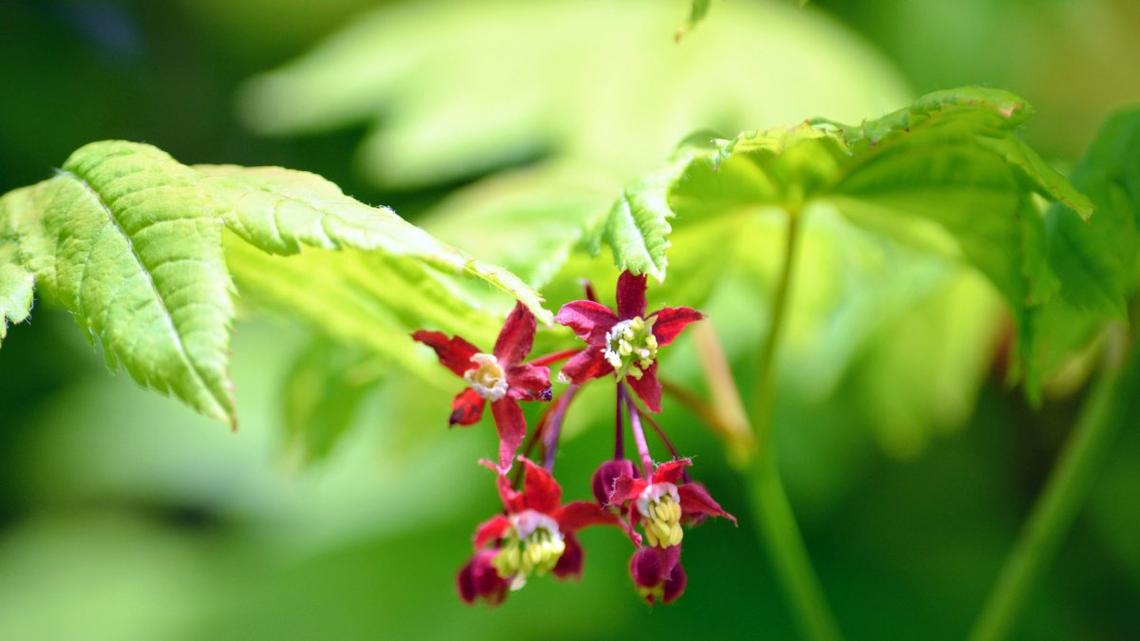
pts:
[535, 533]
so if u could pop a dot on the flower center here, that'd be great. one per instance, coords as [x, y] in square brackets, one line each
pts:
[532, 546]
[660, 504]
[631, 347]
[488, 378]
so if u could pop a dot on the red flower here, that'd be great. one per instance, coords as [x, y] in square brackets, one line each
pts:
[663, 502]
[657, 574]
[625, 343]
[500, 377]
[536, 535]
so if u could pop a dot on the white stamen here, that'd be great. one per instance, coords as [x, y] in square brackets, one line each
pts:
[488, 378]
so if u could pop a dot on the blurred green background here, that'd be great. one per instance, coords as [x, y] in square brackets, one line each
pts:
[124, 516]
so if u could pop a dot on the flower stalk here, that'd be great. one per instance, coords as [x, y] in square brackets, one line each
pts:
[1111, 404]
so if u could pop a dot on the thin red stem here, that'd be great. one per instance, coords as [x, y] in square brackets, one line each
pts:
[552, 431]
[550, 359]
[638, 434]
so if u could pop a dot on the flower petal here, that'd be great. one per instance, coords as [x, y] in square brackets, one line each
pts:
[491, 530]
[588, 364]
[570, 563]
[630, 295]
[648, 388]
[626, 488]
[454, 353]
[579, 514]
[511, 425]
[516, 337]
[466, 408]
[512, 499]
[479, 579]
[602, 483]
[540, 491]
[527, 382]
[697, 502]
[669, 321]
[653, 569]
[588, 319]
[671, 471]
[675, 584]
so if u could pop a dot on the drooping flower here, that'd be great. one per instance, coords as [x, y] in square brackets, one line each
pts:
[624, 343]
[480, 580]
[536, 535]
[657, 574]
[500, 377]
[663, 502]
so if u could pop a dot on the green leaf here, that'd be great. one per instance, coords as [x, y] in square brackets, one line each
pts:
[452, 90]
[278, 210]
[131, 242]
[321, 395]
[1096, 261]
[697, 12]
[947, 174]
[132, 247]
[351, 300]
[16, 282]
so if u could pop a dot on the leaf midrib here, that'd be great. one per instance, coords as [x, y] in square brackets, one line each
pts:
[183, 355]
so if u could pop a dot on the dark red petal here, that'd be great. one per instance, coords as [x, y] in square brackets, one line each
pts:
[602, 482]
[511, 424]
[630, 295]
[626, 488]
[675, 584]
[653, 568]
[586, 365]
[579, 514]
[479, 579]
[491, 529]
[516, 337]
[669, 321]
[454, 353]
[671, 471]
[527, 382]
[570, 563]
[466, 408]
[540, 491]
[589, 320]
[696, 502]
[648, 388]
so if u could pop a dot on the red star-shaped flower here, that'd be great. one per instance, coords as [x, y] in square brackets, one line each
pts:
[536, 535]
[661, 503]
[499, 377]
[625, 343]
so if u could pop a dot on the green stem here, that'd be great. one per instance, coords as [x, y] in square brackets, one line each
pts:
[1112, 401]
[766, 369]
[786, 548]
[778, 527]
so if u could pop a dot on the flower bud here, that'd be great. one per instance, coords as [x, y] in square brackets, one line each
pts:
[608, 472]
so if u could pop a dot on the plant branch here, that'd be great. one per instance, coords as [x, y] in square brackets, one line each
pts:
[778, 530]
[1112, 402]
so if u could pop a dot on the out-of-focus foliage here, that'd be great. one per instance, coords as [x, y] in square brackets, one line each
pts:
[1097, 259]
[599, 82]
[1071, 59]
